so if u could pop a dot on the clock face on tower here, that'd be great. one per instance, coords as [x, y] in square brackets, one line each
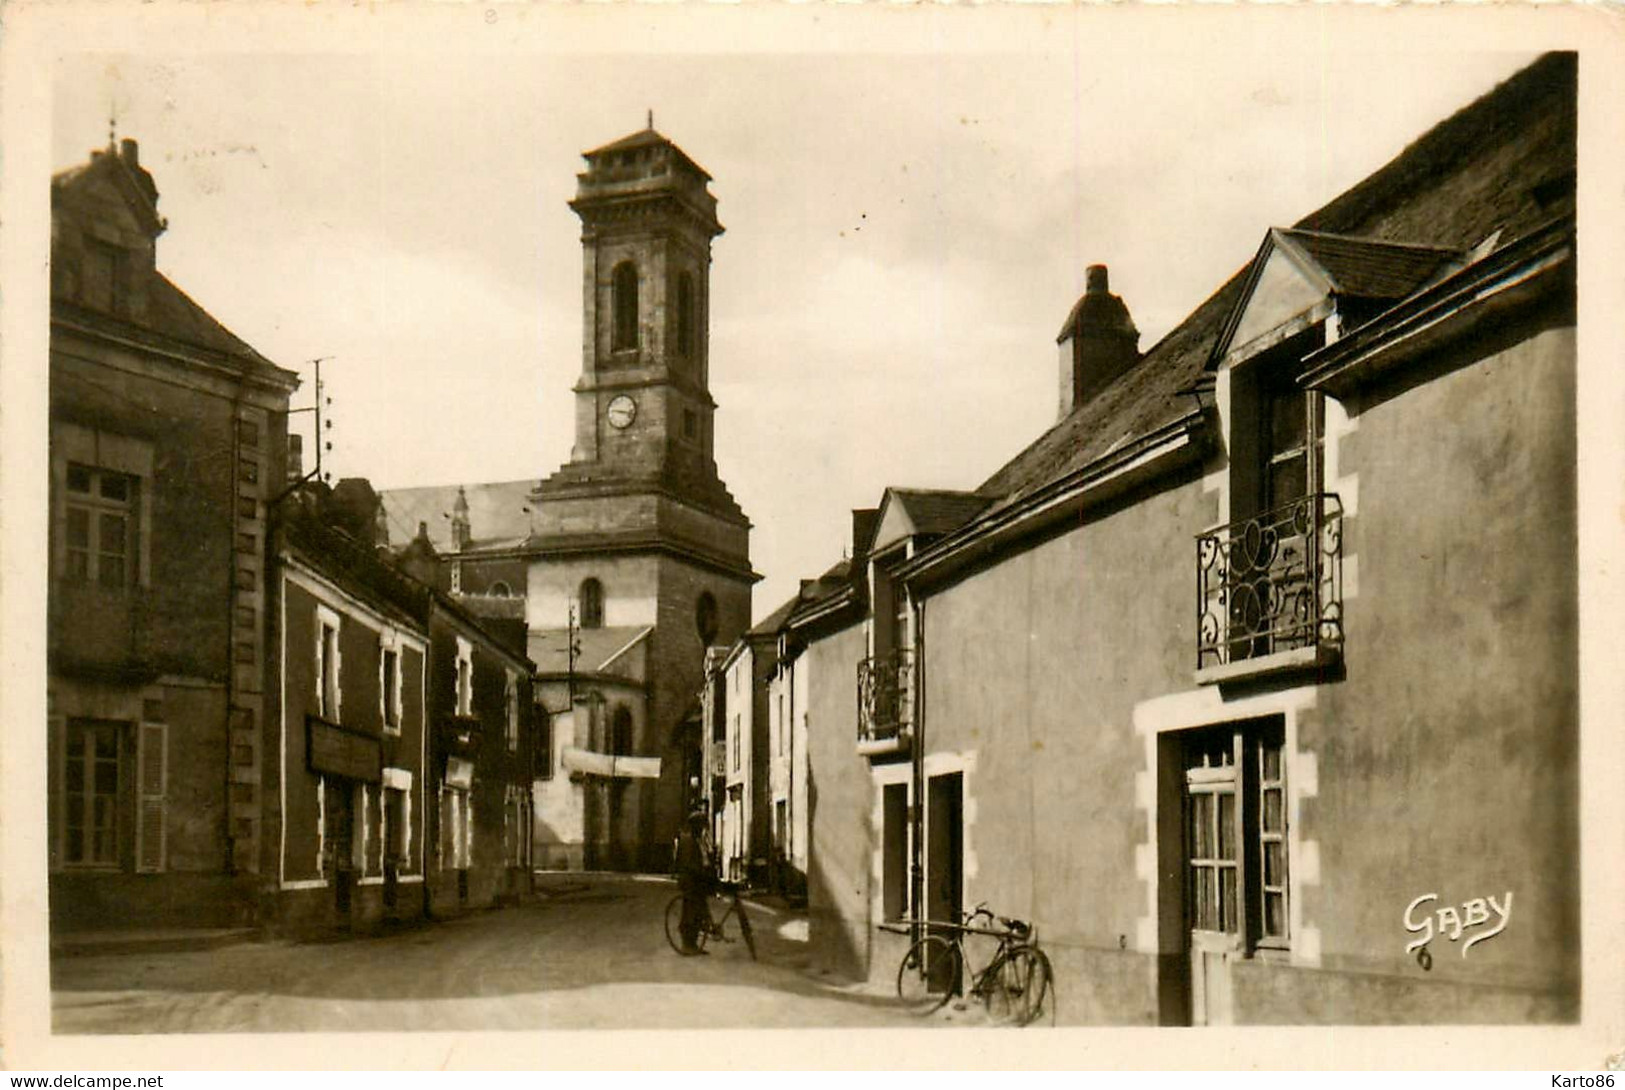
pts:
[622, 411]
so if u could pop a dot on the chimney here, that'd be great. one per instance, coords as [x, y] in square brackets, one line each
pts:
[863, 530]
[296, 456]
[130, 152]
[355, 507]
[1098, 342]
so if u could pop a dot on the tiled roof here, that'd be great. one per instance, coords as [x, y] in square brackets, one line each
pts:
[1370, 268]
[645, 138]
[641, 139]
[770, 625]
[937, 511]
[597, 646]
[169, 312]
[497, 513]
[1504, 163]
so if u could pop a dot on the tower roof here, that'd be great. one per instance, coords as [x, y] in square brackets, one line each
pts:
[645, 138]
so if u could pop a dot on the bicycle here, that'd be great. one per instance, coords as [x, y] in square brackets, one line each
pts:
[711, 927]
[1014, 985]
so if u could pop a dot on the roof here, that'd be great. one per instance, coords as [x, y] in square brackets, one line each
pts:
[1504, 163]
[170, 313]
[936, 511]
[770, 625]
[644, 138]
[498, 513]
[361, 569]
[1370, 268]
[597, 648]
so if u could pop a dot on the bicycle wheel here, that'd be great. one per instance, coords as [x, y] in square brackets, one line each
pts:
[744, 928]
[674, 923]
[930, 974]
[1018, 986]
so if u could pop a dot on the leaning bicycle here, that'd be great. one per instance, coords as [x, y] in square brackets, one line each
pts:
[712, 926]
[1015, 985]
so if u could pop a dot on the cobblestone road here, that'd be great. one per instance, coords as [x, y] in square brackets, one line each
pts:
[592, 954]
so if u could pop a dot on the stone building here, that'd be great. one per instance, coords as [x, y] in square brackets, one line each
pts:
[405, 730]
[1252, 682]
[351, 798]
[167, 439]
[634, 555]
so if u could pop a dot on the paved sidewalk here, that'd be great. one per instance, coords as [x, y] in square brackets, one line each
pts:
[149, 940]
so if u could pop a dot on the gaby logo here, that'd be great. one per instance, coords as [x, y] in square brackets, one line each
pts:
[1453, 923]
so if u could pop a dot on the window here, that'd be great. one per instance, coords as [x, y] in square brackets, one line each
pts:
[100, 510]
[592, 604]
[705, 617]
[691, 424]
[624, 304]
[736, 741]
[329, 693]
[620, 731]
[465, 677]
[389, 688]
[1285, 446]
[685, 314]
[511, 699]
[516, 826]
[499, 589]
[894, 850]
[783, 728]
[1236, 842]
[91, 793]
[103, 271]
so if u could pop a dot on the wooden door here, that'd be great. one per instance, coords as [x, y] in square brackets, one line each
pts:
[945, 833]
[1214, 875]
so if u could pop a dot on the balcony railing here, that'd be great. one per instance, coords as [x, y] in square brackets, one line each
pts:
[885, 701]
[1269, 590]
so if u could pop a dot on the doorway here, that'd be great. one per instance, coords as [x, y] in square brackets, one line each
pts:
[339, 845]
[1234, 856]
[1213, 873]
[945, 842]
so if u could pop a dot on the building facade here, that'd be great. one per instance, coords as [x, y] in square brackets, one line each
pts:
[351, 798]
[481, 763]
[406, 735]
[167, 439]
[1252, 682]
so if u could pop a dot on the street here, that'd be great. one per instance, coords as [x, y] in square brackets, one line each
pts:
[589, 952]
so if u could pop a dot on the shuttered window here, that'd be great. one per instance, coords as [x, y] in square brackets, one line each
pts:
[152, 779]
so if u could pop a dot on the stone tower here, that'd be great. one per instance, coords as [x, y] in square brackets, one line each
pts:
[637, 532]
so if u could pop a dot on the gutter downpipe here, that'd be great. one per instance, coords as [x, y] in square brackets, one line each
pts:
[917, 759]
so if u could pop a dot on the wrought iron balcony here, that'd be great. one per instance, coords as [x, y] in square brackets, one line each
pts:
[1269, 591]
[885, 702]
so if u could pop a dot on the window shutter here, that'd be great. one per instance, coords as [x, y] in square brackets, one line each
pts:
[151, 780]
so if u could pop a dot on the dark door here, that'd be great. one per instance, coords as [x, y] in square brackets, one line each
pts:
[340, 845]
[945, 835]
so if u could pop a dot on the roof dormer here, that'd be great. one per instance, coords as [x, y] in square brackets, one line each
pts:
[104, 231]
[1300, 279]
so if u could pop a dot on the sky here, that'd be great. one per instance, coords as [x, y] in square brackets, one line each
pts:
[905, 232]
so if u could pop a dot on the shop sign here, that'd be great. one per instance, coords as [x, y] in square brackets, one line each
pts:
[334, 751]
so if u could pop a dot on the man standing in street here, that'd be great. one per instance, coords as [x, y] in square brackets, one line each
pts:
[693, 866]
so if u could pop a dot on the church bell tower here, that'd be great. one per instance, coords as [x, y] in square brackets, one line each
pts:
[637, 532]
